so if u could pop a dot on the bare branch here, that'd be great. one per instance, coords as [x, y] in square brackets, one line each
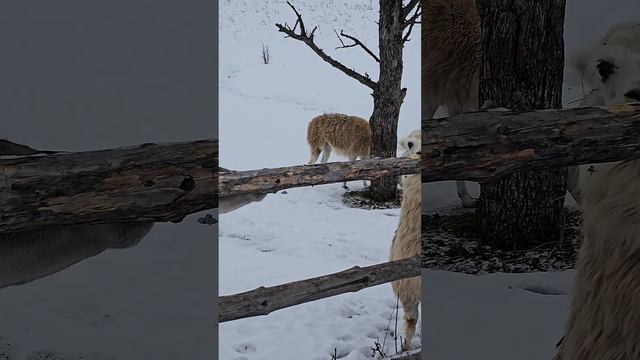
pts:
[407, 9]
[410, 23]
[356, 42]
[263, 301]
[308, 39]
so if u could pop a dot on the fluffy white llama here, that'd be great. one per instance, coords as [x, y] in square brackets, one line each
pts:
[405, 244]
[348, 136]
[605, 311]
[29, 255]
[410, 145]
[451, 60]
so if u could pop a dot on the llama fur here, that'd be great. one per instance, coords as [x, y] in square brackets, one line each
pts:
[410, 145]
[346, 135]
[406, 244]
[621, 49]
[29, 255]
[451, 60]
[605, 309]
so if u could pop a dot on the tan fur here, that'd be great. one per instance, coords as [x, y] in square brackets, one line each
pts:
[604, 323]
[406, 243]
[451, 56]
[451, 60]
[348, 136]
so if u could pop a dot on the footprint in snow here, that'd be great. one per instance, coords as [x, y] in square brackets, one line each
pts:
[245, 348]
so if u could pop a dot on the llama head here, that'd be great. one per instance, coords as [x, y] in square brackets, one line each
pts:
[411, 144]
[611, 70]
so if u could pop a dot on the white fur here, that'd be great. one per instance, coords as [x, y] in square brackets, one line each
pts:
[605, 311]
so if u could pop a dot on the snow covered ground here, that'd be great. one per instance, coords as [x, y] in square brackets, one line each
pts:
[304, 232]
[79, 76]
[307, 232]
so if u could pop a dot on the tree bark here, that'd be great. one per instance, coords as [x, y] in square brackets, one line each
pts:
[146, 183]
[388, 94]
[523, 70]
[263, 301]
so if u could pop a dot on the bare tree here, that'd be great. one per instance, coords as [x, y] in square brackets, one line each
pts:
[394, 29]
[523, 70]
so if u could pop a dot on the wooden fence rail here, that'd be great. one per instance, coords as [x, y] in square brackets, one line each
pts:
[484, 145]
[150, 182]
[263, 301]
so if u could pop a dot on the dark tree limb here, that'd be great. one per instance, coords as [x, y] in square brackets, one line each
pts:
[308, 39]
[263, 301]
[410, 22]
[146, 183]
[273, 180]
[356, 42]
[481, 146]
[406, 9]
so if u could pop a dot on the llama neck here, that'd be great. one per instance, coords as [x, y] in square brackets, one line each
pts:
[604, 322]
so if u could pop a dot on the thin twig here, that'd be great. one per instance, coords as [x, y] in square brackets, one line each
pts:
[356, 42]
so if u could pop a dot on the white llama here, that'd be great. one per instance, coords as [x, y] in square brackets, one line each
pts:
[605, 312]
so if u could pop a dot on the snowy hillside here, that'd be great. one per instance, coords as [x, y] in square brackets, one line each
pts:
[304, 232]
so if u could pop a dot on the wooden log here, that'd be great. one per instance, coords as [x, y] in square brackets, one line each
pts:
[479, 146]
[263, 301]
[150, 182]
[409, 355]
[273, 180]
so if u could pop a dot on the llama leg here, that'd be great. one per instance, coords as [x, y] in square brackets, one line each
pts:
[315, 153]
[463, 194]
[410, 321]
[326, 152]
[351, 158]
[572, 182]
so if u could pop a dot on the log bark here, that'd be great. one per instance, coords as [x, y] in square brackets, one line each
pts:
[263, 301]
[146, 183]
[523, 209]
[480, 146]
[272, 180]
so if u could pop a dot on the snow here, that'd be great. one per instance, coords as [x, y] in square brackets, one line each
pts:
[304, 232]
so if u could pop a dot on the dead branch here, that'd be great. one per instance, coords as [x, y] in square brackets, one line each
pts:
[406, 10]
[150, 182]
[411, 22]
[263, 301]
[484, 145]
[273, 180]
[308, 39]
[356, 42]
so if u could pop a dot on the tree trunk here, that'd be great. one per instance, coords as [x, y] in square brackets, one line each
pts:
[523, 70]
[387, 96]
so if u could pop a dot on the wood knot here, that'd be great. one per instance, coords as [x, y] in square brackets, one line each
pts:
[187, 184]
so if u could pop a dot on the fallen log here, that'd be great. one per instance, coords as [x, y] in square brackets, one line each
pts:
[484, 145]
[265, 300]
[273, 180]
[150, 182]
